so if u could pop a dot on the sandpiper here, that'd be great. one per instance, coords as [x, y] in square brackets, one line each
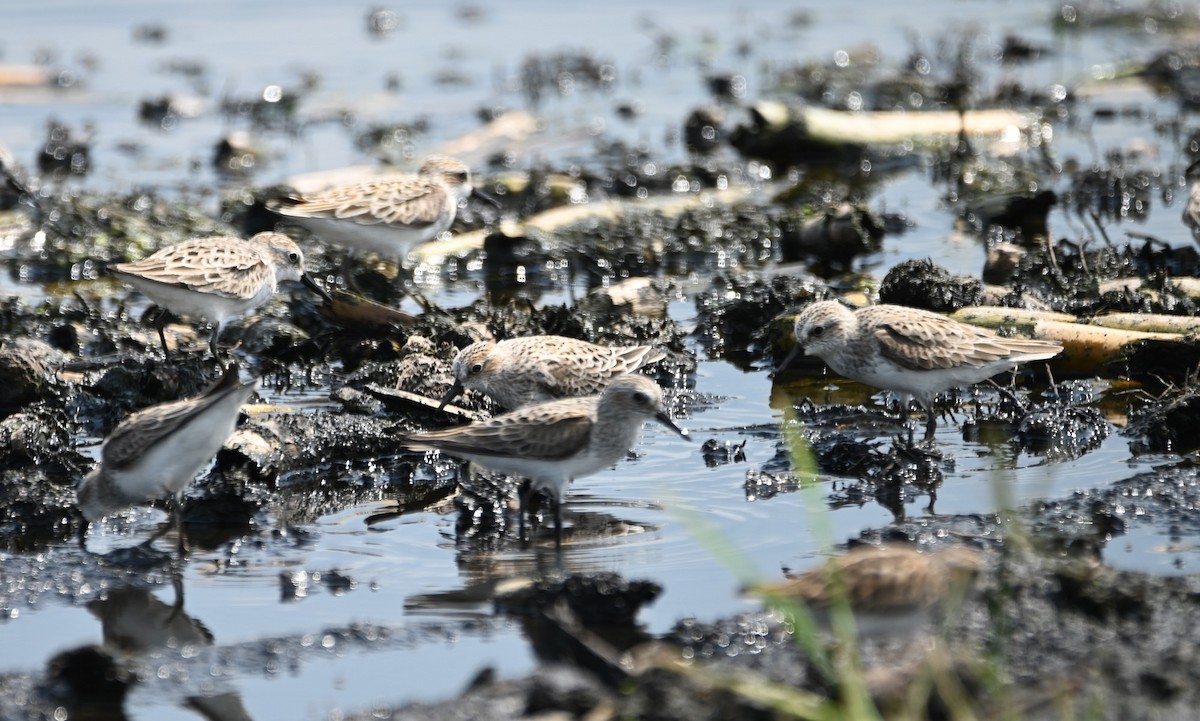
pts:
[215, 278]
[888, 587]
[553, 443]
[387, 215]
[157, 451]
[523, 371]
[908, 350]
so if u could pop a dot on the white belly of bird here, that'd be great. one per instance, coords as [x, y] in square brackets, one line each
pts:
[926, 383]
[391, 241]
[172, 463]
[551, 476]
[199, 305]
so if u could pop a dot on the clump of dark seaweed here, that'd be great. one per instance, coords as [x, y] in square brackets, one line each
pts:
[1169, 423]
[739, 316]
[925, 284]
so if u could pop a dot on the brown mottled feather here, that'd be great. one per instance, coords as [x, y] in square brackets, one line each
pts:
[566, 432]
[220, 266]
[892, 576]
[921, 340]
[408, 201]
[520, 371]
[129, 441]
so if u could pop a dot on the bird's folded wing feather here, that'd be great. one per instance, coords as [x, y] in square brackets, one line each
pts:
[936, 343]
[414, 203]
[235, 275]
[516, 435]
[143, 429]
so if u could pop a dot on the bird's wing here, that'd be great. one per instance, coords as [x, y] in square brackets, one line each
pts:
[584, 368]
[527, 433]
[409, 201]
[129, 441]
[930, 341]
[132, 436]
[223, 269]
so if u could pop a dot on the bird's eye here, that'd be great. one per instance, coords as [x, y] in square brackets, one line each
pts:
[294, 257]
[461, 176]
[477, 368]
[641, 398]
[817, 332]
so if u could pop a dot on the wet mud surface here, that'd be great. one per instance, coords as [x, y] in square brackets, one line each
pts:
[705, 249]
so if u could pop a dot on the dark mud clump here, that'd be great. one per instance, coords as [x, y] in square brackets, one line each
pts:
[737, 316]
[1168, 424]
[924, 284]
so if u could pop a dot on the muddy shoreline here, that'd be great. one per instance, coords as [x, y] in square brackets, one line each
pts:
[631, 211]
[1045, 620]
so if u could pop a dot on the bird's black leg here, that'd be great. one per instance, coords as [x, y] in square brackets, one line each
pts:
[557, 522]
[904, 418]
[523, 494]
[177, 607]
[930, 425]
[160, 322]
[212, 341]
[177, 507]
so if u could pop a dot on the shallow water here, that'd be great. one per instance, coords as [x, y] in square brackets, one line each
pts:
[236, 590]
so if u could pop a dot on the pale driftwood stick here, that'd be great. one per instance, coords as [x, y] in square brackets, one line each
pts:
[995, 316]
[864, 128]
[1148, 322]
[1085, 347]
[511, 127]
[415, 399]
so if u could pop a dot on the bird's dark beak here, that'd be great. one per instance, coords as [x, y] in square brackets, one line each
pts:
[796, 352]
[485, 197]
[451, 394]
[311, 284]
[665, 419]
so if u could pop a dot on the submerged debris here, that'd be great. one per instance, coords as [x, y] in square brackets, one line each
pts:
[1168, 424]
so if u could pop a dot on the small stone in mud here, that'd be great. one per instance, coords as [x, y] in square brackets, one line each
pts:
[1061, 433]
[600, 599]
[637, 296]
[293, 585]
[39, 435]
[703, 130]
[62, 154]
[263, 335]
[382, 22]
[26, 367]
[718, 454]
[355, 401]
[89, 682]
[337, 583]
[833, 237]
[1022, 212]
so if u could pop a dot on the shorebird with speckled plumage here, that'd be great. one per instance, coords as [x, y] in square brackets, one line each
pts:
[890, 587]
[523, 371]
[156, 452]
[216, 278]
[913, 352]
[388, 215]
[553, 443]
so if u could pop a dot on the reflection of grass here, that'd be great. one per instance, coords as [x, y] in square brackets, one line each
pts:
[939, 674]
